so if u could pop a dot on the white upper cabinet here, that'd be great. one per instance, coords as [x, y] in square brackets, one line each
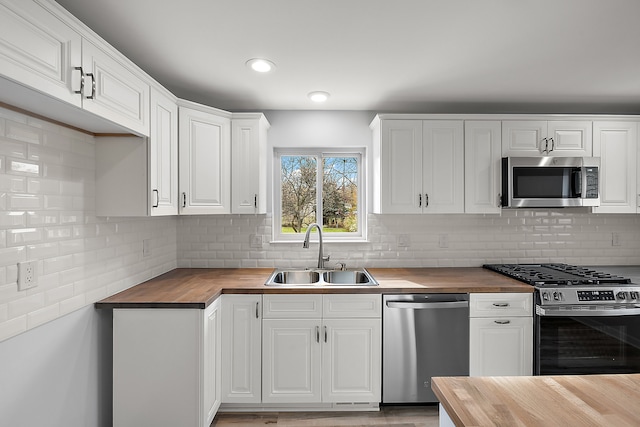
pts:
[138, 176]
[45, 49]
[482, 154]
[616, 143]
[418, 166]
[39, 50]
[205, 160]
[532, 138]
[163, 154]
[111, 90]
[249, 163]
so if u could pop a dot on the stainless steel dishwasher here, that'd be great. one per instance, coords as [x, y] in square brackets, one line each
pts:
[424, 336]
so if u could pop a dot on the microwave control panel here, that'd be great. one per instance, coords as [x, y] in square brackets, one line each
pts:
[591, 173]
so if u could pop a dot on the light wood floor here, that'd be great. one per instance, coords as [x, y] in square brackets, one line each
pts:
[397, 416]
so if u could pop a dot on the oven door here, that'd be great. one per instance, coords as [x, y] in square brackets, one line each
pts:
[593, 344]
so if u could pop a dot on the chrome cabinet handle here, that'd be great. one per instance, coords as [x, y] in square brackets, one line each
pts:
[546, 145]
[79, 92]
[501, 304]
[255, 201]
[93, 86]
[257, 310]
[426, 200]
[499, 200]
[325, 334]
[502, 322]
[317, 334]
[157, 194]
[184, 200]
[553, 144]
[420, 200]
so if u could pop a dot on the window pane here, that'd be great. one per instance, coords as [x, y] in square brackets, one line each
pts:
[340, 194]
[298, 192]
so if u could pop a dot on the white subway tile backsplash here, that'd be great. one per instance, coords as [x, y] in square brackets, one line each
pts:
[47, 203]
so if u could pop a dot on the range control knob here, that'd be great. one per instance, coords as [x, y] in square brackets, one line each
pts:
[633, 295]
[557, 296]
[545, 296]
[622, 295]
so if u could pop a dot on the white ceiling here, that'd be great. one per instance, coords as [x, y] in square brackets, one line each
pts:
[458, 56]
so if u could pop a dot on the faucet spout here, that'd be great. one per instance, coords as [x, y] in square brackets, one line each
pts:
[305, 244]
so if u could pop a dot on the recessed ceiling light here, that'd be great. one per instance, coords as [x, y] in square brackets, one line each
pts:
[318, 96]
[261, 65]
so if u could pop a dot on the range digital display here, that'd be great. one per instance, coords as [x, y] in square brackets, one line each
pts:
[596, 296]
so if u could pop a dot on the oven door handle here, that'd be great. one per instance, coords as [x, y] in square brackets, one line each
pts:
[540, 311]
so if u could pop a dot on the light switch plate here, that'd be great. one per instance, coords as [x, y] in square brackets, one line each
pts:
[27, 275]
[256, 241]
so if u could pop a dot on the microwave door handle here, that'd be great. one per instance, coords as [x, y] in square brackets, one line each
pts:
[576, 182]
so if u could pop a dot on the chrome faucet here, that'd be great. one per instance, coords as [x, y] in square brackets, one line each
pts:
[305, 244]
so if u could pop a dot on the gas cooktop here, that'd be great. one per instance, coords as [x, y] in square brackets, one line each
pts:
[550, 275]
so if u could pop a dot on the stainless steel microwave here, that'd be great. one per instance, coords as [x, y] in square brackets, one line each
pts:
[550, 182]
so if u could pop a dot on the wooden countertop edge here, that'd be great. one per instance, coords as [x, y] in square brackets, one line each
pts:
[391, 282]
[445, 400]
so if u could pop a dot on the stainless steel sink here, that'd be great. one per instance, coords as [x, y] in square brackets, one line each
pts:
[351, 277]
[300, 277]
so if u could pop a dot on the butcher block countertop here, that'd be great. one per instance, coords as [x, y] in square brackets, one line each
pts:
[567, 401]
[199, 287]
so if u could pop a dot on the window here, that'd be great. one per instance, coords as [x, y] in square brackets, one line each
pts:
[314, 186]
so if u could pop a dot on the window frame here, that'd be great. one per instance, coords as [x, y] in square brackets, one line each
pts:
[319, 153]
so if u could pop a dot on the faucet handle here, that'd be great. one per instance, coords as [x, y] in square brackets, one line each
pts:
[342, 266]
[326, 257]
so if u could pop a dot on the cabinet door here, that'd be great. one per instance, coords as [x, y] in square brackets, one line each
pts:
[482, 168]
[212, 382]
[570, 138]
[351, 354]
[400, 180]
[291, 361]
[113, 92]
[205, 157]
[523, 137]
[163, 155]
[500, 346]
[443, 166]
[249, 157]
[241, 343]
[616, 143]
[39, 51]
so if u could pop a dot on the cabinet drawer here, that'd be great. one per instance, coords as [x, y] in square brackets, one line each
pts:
[292, 306]
[491, 305]
[344, 306]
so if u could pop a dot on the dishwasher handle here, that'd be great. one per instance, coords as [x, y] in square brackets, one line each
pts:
[427, 305]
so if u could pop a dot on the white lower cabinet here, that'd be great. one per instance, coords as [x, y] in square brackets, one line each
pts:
[285, 349]
[500, 335]
[314, 357]
[241, 354]
[166, 366]
[291, 357]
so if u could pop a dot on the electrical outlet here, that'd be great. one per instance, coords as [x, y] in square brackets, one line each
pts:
[615, 239]
[443, 241]
[146, 247]
[256, 241]
[27, 275]
[404, 241]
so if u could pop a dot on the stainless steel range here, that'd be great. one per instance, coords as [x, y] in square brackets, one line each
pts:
[587, 319]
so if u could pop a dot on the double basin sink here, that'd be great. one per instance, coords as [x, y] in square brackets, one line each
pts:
[349, 277]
